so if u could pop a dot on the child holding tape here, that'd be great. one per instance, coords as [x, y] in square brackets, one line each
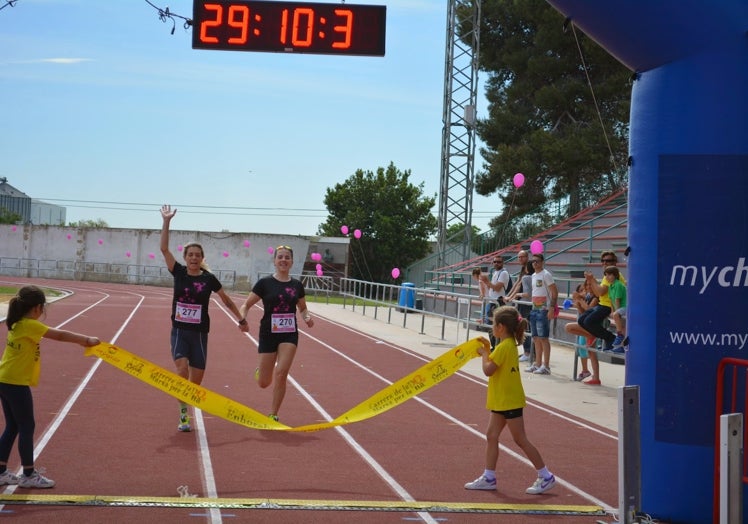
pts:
[19, 370]
[506, 400]
[279, 335]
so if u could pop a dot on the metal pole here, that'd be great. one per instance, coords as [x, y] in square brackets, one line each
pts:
[629, 454]
[730, 468]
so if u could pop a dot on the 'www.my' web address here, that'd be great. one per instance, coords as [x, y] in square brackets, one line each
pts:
[738, 340]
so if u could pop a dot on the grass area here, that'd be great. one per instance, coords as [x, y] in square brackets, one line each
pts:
[8, 292]
[338, 300]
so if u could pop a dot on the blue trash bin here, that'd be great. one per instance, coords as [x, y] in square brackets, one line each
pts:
[407, 297]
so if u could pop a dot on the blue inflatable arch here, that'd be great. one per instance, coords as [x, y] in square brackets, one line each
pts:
[688, 226]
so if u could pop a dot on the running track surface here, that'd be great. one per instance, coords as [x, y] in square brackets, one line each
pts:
[100, 432]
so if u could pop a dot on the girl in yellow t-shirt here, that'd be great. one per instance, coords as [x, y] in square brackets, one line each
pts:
[19, 370]
[506, 399]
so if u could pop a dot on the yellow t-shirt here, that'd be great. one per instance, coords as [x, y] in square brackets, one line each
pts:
[20, 364]
[604, 300]
[505, 389]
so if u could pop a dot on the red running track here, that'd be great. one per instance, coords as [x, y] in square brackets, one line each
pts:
[101, 432]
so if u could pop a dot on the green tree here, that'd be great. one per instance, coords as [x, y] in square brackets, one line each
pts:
[9, 217]
[393, 215]
[99, 223]
[543, 121]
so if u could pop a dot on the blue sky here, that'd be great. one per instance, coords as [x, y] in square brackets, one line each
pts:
[102, 104]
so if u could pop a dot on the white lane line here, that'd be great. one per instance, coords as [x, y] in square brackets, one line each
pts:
[57, 421]
[376, 466]
[521, 458]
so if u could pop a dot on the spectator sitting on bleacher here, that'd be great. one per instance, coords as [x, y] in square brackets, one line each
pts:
[617, 293]
[583, 299]
[592, 319]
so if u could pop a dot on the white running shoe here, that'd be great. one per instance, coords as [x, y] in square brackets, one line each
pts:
[542, 370]
[35, 480]
[541, 485]
[481, 483]
[6, 478]
[524, 358]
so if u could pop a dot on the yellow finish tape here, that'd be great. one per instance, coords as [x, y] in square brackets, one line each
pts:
[306, 504]
[216, 404]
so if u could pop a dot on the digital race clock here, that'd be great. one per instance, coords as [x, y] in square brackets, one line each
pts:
[291, 27]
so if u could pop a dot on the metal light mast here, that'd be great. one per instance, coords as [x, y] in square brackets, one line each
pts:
[459, 117]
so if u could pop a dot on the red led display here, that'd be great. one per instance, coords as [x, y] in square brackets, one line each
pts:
[289, 27]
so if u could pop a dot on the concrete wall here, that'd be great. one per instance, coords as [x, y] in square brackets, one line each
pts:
[133, 255]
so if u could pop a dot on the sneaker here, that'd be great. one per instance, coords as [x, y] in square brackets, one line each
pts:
[524, 358]
[619, 350]
[542, 370]
[6, 477]
[35, 480]
[618, 341]
[481, 483]
[593, 382]
[532, 369]
[541, 485]
[583, 375]
[273, 417]
[184, 422]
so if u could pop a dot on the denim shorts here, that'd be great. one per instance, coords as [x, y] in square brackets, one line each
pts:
[539, 324]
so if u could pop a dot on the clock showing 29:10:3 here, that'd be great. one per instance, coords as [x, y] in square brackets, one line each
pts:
[289, 27]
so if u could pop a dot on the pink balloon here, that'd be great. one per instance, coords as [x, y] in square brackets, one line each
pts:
[395, 272]
[271, 250]
[519, 180]
[318, 267]
[344, 230]
[357, 233]
[246, 243]
[151, 255]
[70, 236]
[536, 247]
[101, 241]
[179, 247]
[316, 256]
[319, 273]
[128, 254]
[226, 254]
[13, 228]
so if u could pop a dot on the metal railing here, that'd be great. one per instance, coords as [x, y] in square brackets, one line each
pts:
[431, 309]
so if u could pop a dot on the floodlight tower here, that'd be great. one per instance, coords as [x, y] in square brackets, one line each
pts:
[459, 117]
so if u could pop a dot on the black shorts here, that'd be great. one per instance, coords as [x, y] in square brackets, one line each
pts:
[509, 413]
[192, 345]
[269, 342]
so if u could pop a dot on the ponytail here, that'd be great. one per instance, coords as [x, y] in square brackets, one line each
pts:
[509, 316]
[27, 298]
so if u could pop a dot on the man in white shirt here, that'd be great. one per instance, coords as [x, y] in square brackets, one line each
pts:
[544, 297]
[497, 286]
